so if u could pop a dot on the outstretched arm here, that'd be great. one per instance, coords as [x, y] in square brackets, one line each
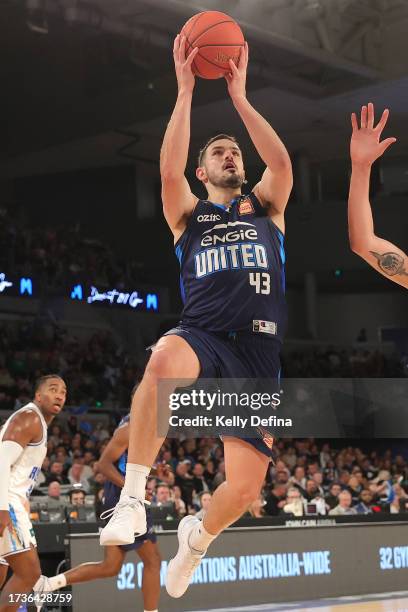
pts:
[274, 188]
[365, 148]
[178, 201]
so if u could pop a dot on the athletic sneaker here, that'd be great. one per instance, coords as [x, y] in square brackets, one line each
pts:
[181, 568]
[41, 586]
[128, 520]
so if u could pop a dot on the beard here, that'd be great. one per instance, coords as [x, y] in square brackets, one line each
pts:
[231, 180]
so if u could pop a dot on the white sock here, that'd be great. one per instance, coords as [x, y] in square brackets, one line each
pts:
[57, 582]
[135, 480]
[199, 538]
[156, 610]
[50, 584]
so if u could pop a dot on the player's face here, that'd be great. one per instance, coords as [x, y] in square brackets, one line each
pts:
[51, 396]
[223, 165]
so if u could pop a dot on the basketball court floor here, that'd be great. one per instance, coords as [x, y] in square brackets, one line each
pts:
[380, 602]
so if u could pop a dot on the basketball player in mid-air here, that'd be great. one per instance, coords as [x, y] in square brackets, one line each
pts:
[365, 148]
[112, 464]
[23, 447]
[234, 307]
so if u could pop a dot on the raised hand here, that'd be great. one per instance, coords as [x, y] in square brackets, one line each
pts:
[236, 79]
[365, 145]
[185, 76]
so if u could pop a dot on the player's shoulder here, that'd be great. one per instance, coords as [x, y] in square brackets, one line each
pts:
[25, 418]
[262, 208]
[28, 411]
[31, 411]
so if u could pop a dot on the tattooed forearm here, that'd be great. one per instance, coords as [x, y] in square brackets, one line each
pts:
[391, 263]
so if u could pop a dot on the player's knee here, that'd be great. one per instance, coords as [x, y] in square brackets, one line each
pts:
[162, 365]
[153, 563]
[245, 494]
[110, 569]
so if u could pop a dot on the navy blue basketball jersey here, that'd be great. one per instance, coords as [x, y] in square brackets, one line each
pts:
[232, 268]
[112, 491]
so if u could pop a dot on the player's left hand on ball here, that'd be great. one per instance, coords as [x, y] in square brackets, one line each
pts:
[236, 79]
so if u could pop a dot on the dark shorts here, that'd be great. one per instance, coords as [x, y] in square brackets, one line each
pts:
[149, 536]
[240, 355]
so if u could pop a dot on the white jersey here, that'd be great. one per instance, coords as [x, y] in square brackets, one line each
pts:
[25, 471]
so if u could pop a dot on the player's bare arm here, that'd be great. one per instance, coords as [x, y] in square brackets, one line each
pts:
[365, 148]
[24, 428]
[274, 188]
[178, 200]
[116, 446]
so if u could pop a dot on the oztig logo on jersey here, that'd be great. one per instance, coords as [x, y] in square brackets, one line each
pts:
[211, 217]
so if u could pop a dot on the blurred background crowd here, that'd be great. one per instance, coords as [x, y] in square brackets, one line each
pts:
[59, 255]
[307, 478]
[100, 371]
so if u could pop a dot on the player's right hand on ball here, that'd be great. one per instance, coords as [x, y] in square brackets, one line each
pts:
[185, 76]
[5, 521]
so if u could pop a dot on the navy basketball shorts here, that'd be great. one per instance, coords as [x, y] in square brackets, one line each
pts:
[149, 536]
[237, 355]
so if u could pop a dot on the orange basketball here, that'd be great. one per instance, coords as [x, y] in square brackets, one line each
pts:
[218, 37]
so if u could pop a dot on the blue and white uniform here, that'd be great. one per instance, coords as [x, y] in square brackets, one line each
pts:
[23, 477]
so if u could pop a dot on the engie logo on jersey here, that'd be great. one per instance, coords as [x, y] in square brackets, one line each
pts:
[234, 248]
[211, 217]
[245, 207]
[233, 231]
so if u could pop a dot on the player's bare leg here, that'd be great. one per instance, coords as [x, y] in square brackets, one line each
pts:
[3, 574]
[26, 571]
[149, 554]
[172, 358]
[245, 469]
[111, 565]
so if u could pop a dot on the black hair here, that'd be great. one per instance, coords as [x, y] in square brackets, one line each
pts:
[76, 490]
[43, 379]
[210, 141]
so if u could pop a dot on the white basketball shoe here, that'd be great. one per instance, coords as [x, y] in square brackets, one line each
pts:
[128, 520]
[181, 568]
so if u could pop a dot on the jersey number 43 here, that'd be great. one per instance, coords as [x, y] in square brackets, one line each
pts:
[261, 281]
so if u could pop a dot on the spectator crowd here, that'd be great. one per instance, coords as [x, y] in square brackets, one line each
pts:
[307, 478]
[97, 370]
[59, 256]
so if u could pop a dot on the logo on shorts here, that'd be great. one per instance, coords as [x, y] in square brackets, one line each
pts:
[245, 207]
[265, 327]
[266, 437]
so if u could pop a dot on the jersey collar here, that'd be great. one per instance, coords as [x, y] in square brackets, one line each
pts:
[232, 203]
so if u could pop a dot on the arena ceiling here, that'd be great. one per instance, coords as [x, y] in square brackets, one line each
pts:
[92, 83]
